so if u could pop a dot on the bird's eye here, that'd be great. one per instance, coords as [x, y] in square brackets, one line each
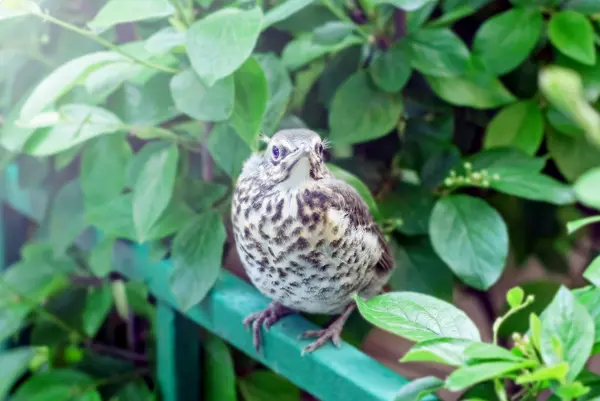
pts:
[275, 151]
[319, 148]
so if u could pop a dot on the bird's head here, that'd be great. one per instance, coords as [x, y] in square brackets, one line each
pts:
[292, 157]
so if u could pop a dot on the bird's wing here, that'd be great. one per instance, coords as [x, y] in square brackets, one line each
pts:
[347, 199]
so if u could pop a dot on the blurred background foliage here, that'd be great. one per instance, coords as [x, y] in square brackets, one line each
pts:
[468, 126]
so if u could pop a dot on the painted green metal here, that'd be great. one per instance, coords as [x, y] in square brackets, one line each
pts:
[178, 352]
[328, 374]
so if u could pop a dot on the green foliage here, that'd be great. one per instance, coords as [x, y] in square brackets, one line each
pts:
[470, 130]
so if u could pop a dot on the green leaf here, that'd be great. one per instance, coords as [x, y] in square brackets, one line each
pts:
[447, 351]
[588, 297]
[587, 188]
[535, 327]
[67, 217]
[499, 160]
[555, 372]
[419, 388]
[98, 304]
[569, 391]
[119, 11]
[588, 7]
[469, 375]
[378, 116]
[417, 317]
[573, 226]
[592, 272]
[515, 296]
[519, 125]
[77, 123]
[218, 44]
[228, 149]
[165, 41]
[438, 52]
[14, 364]
[416, 18]
[283, 10]
[357, 184]
[251, 96]
[135, 391]
[504, 41]
[408, 5]
[63, 79]
[488, 352]
[265, 385]
[530, 185]
[332, 32]
[104, 157]
[279, 89]
[196, 254]
[390, 69]
[471, 237]
[153, 189]
[457, 9]
[410, 204]
[419, 269]
[573, 155]
[477, 88]
[303, 50]
[17, 8]
[220, 379]
[100, 260]
[199, 101]
[573, 35]
[562, 123]
[569, 322]
[57, 385]
[200, 195]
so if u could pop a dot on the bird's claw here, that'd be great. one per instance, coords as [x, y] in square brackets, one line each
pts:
[332, 333]
[266, 318]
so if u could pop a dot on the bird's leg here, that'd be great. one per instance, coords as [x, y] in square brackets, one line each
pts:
[332, 332]
[266, 317]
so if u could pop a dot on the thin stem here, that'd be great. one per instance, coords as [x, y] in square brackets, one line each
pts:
[342, 16]
[500, 390]
[181, 12]
[104, 42]
[502, 319]
[105, 349]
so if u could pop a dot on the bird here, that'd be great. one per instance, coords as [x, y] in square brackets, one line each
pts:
[306, 239]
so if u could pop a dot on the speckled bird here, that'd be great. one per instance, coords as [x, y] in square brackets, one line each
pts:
[306, 239]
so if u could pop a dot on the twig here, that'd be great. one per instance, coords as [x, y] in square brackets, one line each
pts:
[125, 354]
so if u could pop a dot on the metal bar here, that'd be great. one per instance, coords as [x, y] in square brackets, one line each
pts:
[178, 352]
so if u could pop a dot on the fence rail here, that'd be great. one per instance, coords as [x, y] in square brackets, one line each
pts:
[329, 374]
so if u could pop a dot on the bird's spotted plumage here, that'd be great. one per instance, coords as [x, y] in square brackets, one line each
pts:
[306, 239]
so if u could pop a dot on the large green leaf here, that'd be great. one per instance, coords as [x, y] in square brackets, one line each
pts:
[165, 40]
[228, 149]
[283, 10]
[391, 69]
[219, 379]
[118, 11]
[573, 155]
[14, 364]
[411, 205]
[519, 125]
[58, 385]
[153, 189]
[573, 35]
[115, 219]
[587, 188]
[477, 88]
[218, 44]
[505, 40]
[303, 50]
[67, 216]
[279, 88]
[566, 322]
[438, 52]
[419, 269]
[62, 80]
[447, 351]
[378, 116]
[471, 237]
[417, 317]
[98, 304]
[104, 157]
[592, 272]
[469, 375]
[588, 297]
[74, 124]
[196, 254]
[251, 96]
[199, 101]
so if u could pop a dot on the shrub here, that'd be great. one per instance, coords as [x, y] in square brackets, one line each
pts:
[469, 127]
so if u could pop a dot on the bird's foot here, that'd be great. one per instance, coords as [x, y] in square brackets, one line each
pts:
[333, 332]
[266, 318]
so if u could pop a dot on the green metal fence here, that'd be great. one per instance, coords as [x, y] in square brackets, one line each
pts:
[329, 374]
